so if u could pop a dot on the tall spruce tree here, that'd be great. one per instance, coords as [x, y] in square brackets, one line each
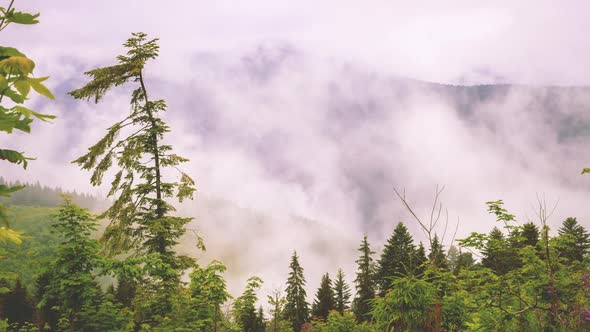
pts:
[296, 309]
[140, 216]
[341, 293]
[364, 282]
[397, 259]
[575, 240]
[325, 299]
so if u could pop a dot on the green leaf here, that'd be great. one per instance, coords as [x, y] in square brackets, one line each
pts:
[6, 52]
[22, 18]
[28, 113]
[14, 157]
[586, 171]
[17, 65]
[40, 88]
[23, 87]
[14, 96]
[3, 83]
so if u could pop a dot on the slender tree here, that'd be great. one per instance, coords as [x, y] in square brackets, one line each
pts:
[296, 309]
[277, 303]
[341, 293]
[140, 217]
[364, 282]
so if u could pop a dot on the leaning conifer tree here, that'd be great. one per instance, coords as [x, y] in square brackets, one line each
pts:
[140, 217]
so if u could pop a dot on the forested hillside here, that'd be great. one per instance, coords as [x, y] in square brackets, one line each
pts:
[157, 255]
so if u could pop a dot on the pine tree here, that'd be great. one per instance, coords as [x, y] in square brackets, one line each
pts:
[260, 321]
[437, 254]
[420, 260]
[530, 234]
[495, 252]
[141, 220]
[325, 299]
[575, 240]
[397, 258]
[341, 292]
[296, 309]
[72, 282]
[139, 216]
[18, 307]
[364, 282]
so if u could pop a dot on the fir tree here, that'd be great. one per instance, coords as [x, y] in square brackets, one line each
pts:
[72, 282]
[296, 309]
[325, 299]
[19, 308]
[364, 282]
[495, 252]
[437, 254]
[260, 321]
[575, 240]
[341, 293]
[397, 258]
[530, 234]
[420, 259]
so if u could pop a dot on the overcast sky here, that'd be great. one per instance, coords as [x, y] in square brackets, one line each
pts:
[308, 107]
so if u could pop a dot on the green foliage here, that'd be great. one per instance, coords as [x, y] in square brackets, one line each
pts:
[208, 292]
[69, 288]
[140, 218]
[364, 282]
[574, 240]
[16, 80]
[399, 258]
[325, 299]
[296, 309]
[341, 322]
[277, 323]
[244, 309]
[405, 307]
[342, 293]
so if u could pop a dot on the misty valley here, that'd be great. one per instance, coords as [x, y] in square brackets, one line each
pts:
[245, 172]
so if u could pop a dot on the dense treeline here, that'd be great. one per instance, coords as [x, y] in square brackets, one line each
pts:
[517, 277]
[524, 280]
[38, 195]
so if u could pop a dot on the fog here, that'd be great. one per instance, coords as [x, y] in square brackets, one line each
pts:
[299, 123]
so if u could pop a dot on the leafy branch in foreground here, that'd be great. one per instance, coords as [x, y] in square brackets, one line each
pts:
[16, 81]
